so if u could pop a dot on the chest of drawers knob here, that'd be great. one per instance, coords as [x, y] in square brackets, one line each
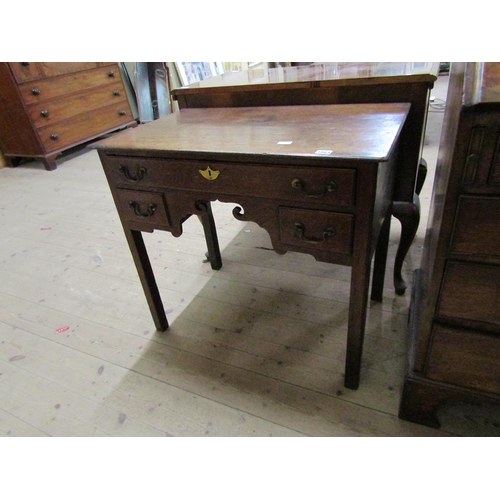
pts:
[44, 113]
[25, 64]
[111, 74]
[122, 112]
[35, 91]
[54, 137]
[116, 92]
[329, 187]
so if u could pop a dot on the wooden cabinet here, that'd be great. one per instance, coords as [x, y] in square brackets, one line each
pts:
[49, 107]
[455, 311]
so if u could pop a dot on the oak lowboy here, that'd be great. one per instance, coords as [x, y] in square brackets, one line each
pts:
[319, 179]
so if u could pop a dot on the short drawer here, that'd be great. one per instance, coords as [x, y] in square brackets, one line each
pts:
[477, 227]
[465, 358]
[49, 88]
[143, 207]
[85, 126]
[471, 292]
[322, 230]
[48, 112]
[332, 186]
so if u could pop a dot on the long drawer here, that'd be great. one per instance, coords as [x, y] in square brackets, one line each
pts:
[84, 126]
[49, 112]
[27, 71]
[332, 186]
[465, 358]
[41, 90]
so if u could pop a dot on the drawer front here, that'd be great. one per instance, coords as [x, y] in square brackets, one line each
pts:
[26, 71]
[84, 126]
[51, 69]
[143, 207]
[35, 92]
[477, 227]
[465, 358]
[332, 186]
[471, 292]
[48, 112]
[328, 231]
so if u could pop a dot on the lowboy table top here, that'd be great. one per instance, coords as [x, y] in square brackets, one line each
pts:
[350, 131]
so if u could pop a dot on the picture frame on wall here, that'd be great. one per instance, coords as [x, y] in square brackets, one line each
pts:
[193, 72]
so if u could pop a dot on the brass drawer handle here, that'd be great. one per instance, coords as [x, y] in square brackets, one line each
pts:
[141, 172]
[210, 174]
[299, 232]
[330, 187]
[150, 209]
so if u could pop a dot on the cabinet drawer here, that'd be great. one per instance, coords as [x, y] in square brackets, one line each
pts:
[51, 69]
[465, 358]
[332, 186]
[35, 92]
[471, 292]
[319, 229]
[48, 112]
[477, 227]
[143, 207]
[26, 71]
[84, 126]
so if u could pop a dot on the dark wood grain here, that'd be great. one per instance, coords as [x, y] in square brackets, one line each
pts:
[347, 131]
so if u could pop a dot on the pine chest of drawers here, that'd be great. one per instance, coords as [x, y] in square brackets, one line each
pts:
[455, 311]
[47, 108]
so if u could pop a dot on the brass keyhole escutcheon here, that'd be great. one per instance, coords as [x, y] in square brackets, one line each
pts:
[210, 174]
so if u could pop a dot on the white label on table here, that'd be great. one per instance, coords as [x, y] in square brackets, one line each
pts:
[285, 142]
[323, 152]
